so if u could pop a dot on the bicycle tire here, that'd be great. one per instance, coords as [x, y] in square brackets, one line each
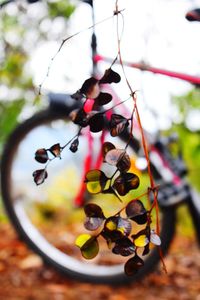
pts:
[71, 268]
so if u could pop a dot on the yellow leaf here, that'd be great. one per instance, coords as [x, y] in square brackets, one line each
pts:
[94, 187]
[141, 241]
[82, 239]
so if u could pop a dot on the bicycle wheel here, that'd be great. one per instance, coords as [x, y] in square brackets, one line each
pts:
[44, 216]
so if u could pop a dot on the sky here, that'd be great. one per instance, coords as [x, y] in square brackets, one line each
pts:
[155, 31]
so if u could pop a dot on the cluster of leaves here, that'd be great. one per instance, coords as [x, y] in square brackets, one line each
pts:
[44, 156]
[91, 90]
[121, 182]
[117, 231]
[96, 120]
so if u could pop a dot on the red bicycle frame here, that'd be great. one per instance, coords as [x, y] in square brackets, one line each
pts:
[142, 66]
[195, 80]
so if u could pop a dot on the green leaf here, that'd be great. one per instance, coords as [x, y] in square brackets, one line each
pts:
[88, 245]
[61, 8]
[96, 181]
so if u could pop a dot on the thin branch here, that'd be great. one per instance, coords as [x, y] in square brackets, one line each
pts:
[77, 135]
[144, 144]
[69, 38]
[111, 108]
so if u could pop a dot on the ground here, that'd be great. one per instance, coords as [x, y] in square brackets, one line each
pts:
[24, 276]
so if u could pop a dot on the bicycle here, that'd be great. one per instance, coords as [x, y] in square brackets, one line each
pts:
[48, 227]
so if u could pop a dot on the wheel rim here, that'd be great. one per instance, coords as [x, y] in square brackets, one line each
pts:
[32, 204]
[38, 236]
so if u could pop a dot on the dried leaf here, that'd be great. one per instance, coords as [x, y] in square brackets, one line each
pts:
[133, 265]
[124, 163]
[154, 238]
[123, 247]
[79, 117]
[136, 211]
[40, 176]
[125, 183]
[93, 223]
[103, 99]
[134, 208]
[41, 156]
[117, 124]
[74, 145]
[112, 157]
[90, 88]
[77, 96]
[107, 146]
[110, 76]
[56, 150]
[93, 210]
[96, 122]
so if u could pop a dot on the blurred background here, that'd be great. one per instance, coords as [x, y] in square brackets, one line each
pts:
[155, 31]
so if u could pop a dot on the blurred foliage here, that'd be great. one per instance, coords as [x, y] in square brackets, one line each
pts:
[188, 130]
[187, 103]
[190, 142]
[61, 8]
[21, 31]
[9, 112]
[185, 225]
